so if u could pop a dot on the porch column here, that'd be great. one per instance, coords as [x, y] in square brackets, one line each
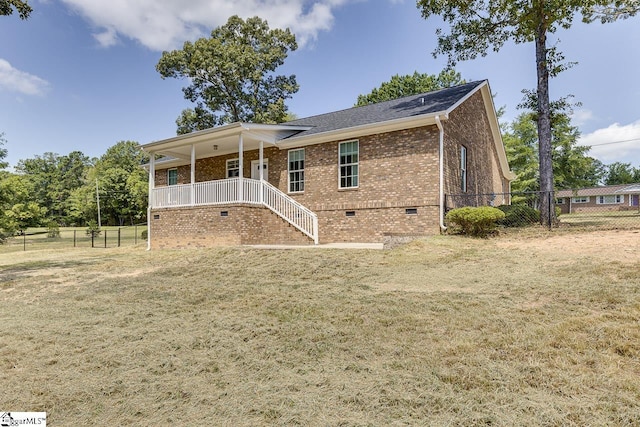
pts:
[240, 169]
[261, 170]
[193, 175]
[152, 177]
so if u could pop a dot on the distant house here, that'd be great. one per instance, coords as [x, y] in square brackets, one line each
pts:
[605, 198]
[355, 175]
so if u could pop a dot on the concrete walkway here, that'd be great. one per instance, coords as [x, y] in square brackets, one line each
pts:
[323, 246]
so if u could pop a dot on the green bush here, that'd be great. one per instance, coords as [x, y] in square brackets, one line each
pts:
[92, 229]
[477, 222]
[144, 234]
[53, 230]
[519, 215]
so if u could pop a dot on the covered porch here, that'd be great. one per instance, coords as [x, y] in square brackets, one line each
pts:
[232, 190]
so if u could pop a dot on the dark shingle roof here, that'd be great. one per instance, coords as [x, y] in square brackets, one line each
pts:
[414, 105]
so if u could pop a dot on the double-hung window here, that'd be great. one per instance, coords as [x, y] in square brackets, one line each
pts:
[580, 199]
[172, 176]
[233, 168]
[296, 170]
[463, 168]
[348, 164]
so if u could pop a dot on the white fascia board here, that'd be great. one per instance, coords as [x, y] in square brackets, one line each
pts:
[495, 129]
[193, 138]
[362, 130]
[269, 133]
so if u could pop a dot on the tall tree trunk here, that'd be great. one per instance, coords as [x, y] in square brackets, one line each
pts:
[547, 209]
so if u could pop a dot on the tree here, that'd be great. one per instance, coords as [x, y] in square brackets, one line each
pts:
[23, 8]
[122, 182]
[4, 191]
[54, 178]
[231, 74]
[621, 173]
[573, 167]
[478, 25]
[417, 83]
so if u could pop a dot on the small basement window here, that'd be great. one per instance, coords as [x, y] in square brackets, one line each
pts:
[157, 216]
[224, 213]
[350, 213]
[411, 211]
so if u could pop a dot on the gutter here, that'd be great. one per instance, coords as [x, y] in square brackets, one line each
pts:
[441, 178]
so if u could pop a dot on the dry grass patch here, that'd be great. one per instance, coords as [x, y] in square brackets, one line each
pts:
[517, 330]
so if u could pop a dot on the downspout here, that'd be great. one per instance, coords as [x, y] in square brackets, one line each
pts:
[441, 178]
[152, 182]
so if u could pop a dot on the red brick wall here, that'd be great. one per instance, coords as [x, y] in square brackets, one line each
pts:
[397, 171]
[468, 125]
[205, 227]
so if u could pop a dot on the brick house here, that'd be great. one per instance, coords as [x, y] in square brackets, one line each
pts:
[355, 175]
[597, 199]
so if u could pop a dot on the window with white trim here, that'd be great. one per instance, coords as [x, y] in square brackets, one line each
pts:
[348, 161]
[580, 199]
[609, 200]
[296, 170]
[233, 168]
[172, 176]
[463, 168]
[560, 201]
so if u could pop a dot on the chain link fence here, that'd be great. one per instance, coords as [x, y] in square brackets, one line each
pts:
[78, 237]
[523, 208]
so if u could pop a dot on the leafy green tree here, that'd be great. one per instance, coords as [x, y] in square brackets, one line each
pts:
[24, 215]
[122, 183]
[54, 178]
[410, 84]
[231, 74]
[82, 204]
[19, 210]
[573, 167]
[3, 152]
[5, 229]
[521, 145]
[621, 173]
[479, 25]
[23, 8]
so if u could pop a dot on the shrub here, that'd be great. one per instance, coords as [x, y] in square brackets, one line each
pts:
[477, 222]
[144, 234]
[519, 215]
[92, 229]
[53, 230]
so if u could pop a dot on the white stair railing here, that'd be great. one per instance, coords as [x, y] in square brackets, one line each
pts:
[226, 191]
[291, 211]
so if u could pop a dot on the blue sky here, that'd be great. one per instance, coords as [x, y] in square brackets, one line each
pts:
[80, 74]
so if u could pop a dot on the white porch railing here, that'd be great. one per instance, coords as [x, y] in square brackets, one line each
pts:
[234, 191]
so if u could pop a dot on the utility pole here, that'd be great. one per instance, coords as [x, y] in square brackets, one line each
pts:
[98, 203]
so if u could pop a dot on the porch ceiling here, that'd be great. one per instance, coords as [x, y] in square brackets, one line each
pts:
[222, 140]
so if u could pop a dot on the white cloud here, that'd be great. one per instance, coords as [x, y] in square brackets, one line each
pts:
[166, 24]
[14, 80]
[581, 117]
[615, 143]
